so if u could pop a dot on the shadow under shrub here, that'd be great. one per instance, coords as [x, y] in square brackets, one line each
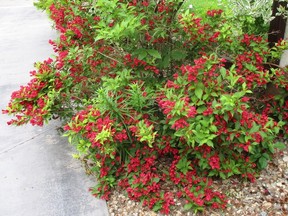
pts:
[155, 96]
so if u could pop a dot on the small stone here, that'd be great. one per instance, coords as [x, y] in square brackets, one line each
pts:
[285, 174]
[263, 214]
[277, 206]
[285, 159]
[266, 205]
[269, 197]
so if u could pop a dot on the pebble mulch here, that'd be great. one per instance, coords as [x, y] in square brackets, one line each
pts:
[267, 196]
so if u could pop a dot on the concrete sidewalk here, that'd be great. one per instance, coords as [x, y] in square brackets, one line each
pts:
[38, 176]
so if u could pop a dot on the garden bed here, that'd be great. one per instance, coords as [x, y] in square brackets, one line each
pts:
[267, 196]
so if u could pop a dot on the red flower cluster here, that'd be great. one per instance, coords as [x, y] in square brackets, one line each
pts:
[213, 13]
[214, 162]
[180, 123]
[139, 64]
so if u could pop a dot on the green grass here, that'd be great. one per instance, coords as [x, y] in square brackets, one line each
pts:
[201, 6]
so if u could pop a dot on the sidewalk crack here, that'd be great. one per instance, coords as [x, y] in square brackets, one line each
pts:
[25, 141]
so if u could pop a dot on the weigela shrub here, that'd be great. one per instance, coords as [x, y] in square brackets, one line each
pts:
[155, 97]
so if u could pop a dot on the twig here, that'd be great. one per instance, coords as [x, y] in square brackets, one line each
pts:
[109, 57]
[270, 63]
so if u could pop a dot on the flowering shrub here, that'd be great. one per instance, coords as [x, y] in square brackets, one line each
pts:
[155, 96]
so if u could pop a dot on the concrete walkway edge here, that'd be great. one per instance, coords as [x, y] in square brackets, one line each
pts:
[38, 176]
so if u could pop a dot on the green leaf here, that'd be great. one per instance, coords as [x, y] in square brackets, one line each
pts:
[214, 94]
[142, 55]
[265, 155]
[226, 117]
[254, 129]
[157, 207]
[183, 165]
[223, 72]
[156, 180]
[262, 162]
[213, 128]
[154, 53]
[198, 92]
[166, 61]
[201, 109]
[206, 96]
[222, 175]
[281, 123]
[247, 138]
[239, 94]
[263, 134]
[210, 143]
[198, 127]
[232, 135]
[280, 145]
[178, 54]
[271, 148]
[188, 206]
[236, 171]
[212, 173]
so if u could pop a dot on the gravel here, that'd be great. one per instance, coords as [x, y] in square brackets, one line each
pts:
[267, 196]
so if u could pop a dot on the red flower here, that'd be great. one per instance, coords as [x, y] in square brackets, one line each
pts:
[145, 3]
[143, 21]
[180, 123]
[192, 112]
[213, 13]
[171, 84]
[245, 99]
[147, 36]
[121, 136]
[208, 111]
[214, 162]
[97, 18]
[214, 37]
